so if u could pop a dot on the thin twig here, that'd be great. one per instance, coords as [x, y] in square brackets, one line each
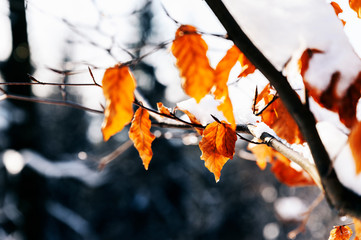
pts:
[275, 97]
[48, 101]
[301, 228]
[113, 155]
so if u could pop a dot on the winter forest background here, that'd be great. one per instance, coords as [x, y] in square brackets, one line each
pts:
[50, 185]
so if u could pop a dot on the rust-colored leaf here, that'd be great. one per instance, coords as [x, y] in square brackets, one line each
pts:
[217, 146]
[356, 6]
[355, 145]
[162, 109]
[338, 10]
[276, 115]
[190, 51]
[140, 134]
[118, 87]
[247, 66]
[340, 233]
[344, 105]
[281, 168]
[222, 72]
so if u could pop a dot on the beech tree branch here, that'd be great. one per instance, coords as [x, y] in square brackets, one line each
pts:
[338, 196]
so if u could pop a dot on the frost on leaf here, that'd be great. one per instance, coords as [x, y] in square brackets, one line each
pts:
[340, 233]
[217, 146]
[356, 6]
[355, 145]
[277, 117]
[190, 51]
[140, 134]
[118, 87]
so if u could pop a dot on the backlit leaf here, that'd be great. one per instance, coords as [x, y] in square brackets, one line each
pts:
[226, 108]
[190, 51]
[357, 224]
[355, 145]
[356, 6]
[193, 120]
[340, 233]
[222, 71]
[263, 154]
[140, 134]
[118, 87]
[276, 115]
[217, 146]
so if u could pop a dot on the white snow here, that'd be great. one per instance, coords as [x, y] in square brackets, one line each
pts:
[339, 151]
[283, 29]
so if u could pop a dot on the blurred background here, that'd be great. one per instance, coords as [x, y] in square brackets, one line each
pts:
[50, 185]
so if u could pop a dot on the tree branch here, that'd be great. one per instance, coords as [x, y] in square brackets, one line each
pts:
[337, 195]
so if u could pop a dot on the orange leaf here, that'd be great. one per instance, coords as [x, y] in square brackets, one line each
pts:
[263, 154]
[340, 233]
[217, 146]
[276, 115]
[247, 66]
[140, 134]
[357, 223]
[194, 120]
[283, 171]
[338, 10]
[356, 6]
[190, 51]
[355, 145]
[227, 109]
[222, 71]
[162, 109]
[118, 88]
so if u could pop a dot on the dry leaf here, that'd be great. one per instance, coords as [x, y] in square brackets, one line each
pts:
[344, 105]
[355, 145]
[278, 118]
[286, 174]
[162, 109]
[340, 233]
[194, 120]
[217, 146]
[338, 10]
[190, 51]
[356, 6]
[118, 87]
[140, 134]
